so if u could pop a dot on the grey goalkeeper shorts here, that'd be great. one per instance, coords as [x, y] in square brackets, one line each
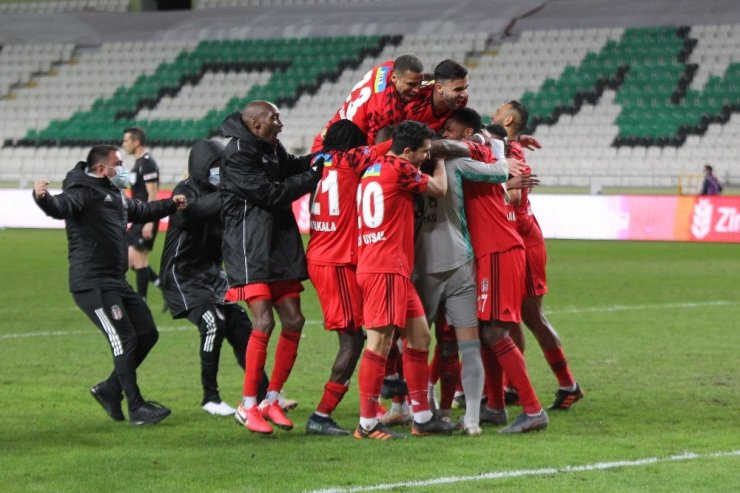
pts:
[452, 292]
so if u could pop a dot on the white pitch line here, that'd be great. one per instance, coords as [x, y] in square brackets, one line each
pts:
[599, 466]
[566, 310]
[625, 308]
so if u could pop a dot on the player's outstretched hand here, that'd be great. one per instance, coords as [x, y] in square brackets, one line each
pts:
[40, 188]
[530, 142]
[516, 167]
[181, 201]
[523, 181]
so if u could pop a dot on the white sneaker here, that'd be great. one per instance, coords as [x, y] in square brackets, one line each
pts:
[286, 404]
[473, 430]
[397, 417]
[218, 408]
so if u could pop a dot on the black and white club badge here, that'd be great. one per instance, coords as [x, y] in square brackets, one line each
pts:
[116, 312]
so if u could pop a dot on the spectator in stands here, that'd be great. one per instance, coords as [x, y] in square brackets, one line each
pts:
[193, 282]
[96, 212]
[710, 185]
[144, 182]
[378, 100]
[262, 248]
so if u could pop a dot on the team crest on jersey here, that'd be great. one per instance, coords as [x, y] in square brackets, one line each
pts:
[484, 285]
[381, 79]
[116, 312]
[373, 170]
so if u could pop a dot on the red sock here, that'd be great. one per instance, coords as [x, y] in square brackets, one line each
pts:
[371, 380]
[333, 393]
[450, 376]
[255, 362]
[494, 379]
[556, 359]
[435, 367]
[416, 369]
[285, 354]
[512, 361]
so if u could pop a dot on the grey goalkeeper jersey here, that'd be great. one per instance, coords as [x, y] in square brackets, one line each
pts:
[442, 238]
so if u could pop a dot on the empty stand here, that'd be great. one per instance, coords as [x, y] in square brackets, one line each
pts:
[56, 6]
[613, 106]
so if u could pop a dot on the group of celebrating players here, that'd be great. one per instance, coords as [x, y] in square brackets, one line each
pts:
[407, 229]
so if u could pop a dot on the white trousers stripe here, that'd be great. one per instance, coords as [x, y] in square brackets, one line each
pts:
[210, 332]
[115, 341]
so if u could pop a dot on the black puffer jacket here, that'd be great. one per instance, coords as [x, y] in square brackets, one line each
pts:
[258, 185]
[191, 273]
[96, 214]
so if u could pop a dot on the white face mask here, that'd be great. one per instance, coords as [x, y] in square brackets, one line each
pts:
[214, 177]
[120, 179]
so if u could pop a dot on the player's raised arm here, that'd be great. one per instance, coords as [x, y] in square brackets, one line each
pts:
[437, 186]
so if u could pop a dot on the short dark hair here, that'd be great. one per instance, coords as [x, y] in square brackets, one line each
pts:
[468, 117]
[408, 63]
[343, 135]
[523, 113]
[410, 134]
[449, 70]
[708, 167]
[137, 133]
[98, 153]
[496, 130]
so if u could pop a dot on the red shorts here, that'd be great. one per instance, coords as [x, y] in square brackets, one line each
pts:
[501, 285]
[389, 299]
[275, 291]
[339, 295]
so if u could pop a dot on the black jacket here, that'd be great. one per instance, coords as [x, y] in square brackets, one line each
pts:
[96, 214]
[261, 240]
[191, 273]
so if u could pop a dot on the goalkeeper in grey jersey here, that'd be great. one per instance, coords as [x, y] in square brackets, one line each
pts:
[444, 272]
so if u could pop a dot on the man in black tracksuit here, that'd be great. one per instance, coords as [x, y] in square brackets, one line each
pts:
[193, 282]
[96, 212]
[263, 250]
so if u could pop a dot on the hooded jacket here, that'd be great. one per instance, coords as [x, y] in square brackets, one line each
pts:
[261, 241]
[96, 214]
[190, 270]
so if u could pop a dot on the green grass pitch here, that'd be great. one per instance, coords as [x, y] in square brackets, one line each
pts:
[651, 331]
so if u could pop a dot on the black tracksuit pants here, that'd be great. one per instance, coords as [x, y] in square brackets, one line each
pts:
[127, 324]
[215, 323]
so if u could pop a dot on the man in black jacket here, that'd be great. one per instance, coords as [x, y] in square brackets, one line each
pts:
[193, 282]
[96, 212]
[262, 247]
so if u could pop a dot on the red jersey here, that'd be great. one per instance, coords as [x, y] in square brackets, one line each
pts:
[524, 217]
[491, 219]
[386, 216]
[372, 104]
[334, 205]
[421, 109]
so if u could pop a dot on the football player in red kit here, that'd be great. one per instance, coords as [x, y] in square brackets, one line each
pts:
[513, 116]
[332, 259]
[378, 100]
[385, 262]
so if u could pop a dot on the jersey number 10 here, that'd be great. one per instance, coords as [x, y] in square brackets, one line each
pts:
[372, 203]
